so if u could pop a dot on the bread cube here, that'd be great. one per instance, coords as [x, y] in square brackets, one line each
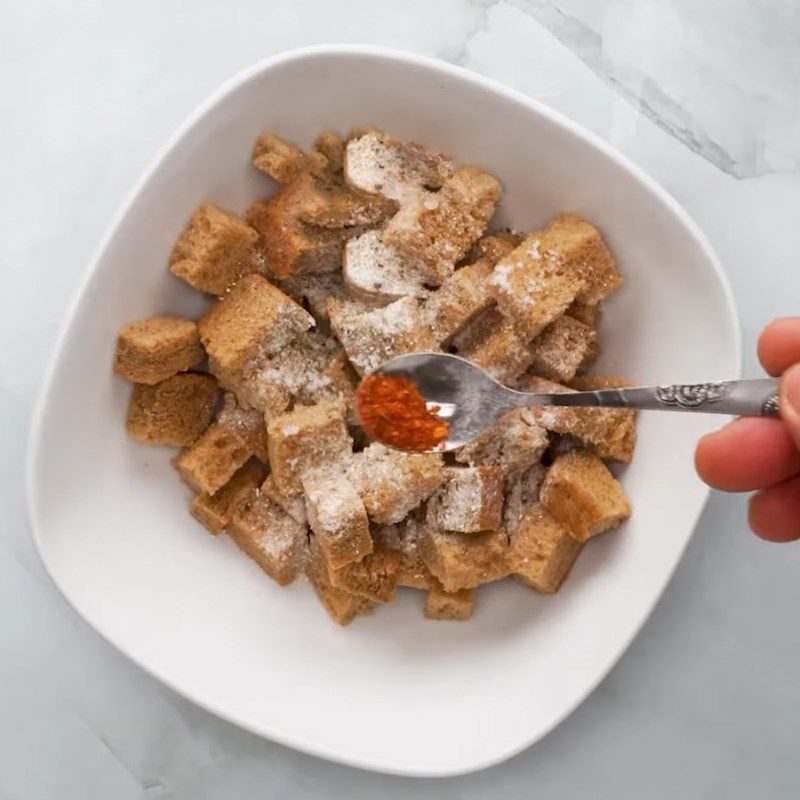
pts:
[513, 444]
[579, 247]
[338, 518]
[437, 229]
[587, 313]
[458, 301]
[214, 250]
[522, 494]
[541, 551]
[492, 247]
[583, 495]
[209, 463]
[340, 604]
[379, 274]
[457, 605]
[375, 162]
[276, 542]
[279, 158]
[255, 318]
[314, 291]
[287, 244]
[247, 423]
[403, 539]
[373, 577]
[392, 483]
[464, 560]
[293, 504]
[562, 348]
[469, 501]
[372, 337]
[156, 348]
[216, 511]
[492, 342]
[307, 441]
[533, 286]
[610, 433]
[330, 145]
[175, 411]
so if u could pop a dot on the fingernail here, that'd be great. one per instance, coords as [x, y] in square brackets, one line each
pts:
[790, 388]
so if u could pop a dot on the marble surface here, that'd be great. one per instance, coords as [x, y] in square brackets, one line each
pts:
[706, 702]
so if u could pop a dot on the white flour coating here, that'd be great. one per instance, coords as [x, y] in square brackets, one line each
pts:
[375, 269]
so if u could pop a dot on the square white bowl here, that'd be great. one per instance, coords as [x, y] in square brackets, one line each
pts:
[392, 692]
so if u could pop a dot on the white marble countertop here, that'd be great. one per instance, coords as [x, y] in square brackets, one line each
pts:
[706, 702]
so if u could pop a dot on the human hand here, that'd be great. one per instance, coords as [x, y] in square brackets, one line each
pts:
[762, 454]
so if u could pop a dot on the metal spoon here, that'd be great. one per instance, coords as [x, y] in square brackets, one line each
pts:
[471, 400]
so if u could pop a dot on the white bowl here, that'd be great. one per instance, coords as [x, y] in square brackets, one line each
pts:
[392, 692]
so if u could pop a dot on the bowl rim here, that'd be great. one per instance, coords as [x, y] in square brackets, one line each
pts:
[34, 444]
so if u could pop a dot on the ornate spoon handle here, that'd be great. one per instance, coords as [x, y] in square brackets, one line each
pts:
[752, 398]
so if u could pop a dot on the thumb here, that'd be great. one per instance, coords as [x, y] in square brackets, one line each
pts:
[789, 402]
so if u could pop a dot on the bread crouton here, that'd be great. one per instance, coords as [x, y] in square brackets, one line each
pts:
[338, 518]
[276, 542]
[402, 538]
[541, 551]
[522, 492]
[392, 483]
[156, 348]
[175, 411]
[583, 495]
[562, 348]
[331, 144]
[279, 158]
[342, 606]
[293, 504]
[216, 511]
[373, 577]
[470, 500]
[440, 604]
[215, 249]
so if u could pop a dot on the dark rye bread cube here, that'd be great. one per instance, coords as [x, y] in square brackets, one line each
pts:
[216, 511]
[175, 411]
[214, 250]
[152, 349]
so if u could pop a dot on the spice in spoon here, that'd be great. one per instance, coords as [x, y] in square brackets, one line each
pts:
[393, 411]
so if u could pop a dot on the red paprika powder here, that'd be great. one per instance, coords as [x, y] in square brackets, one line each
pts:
[392, 411]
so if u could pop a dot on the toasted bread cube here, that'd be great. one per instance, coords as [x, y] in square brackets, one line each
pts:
[209, 463]
[379, 274]
[493, 343]
[372, 337]
[156, 348]
[493, 246]
[561, 348]
[307, 441]
[458, 301]
[314, 291]
[214, 250]
[436, 230]
[375, 162]
[522, 493]
[338, 518]
[392, 483]
[279, 158]
[469, 501]
[464, 560]
[514, 443]
[373, 577]
[403, 539]
[305, 371]
[247, 422]
[440, 604]
[587, 313]
[287, 244]
[276, 542]
[254, 318]
[293, 504]
[216, 511]
[533, 286]
[175, 411]
[583, 495]
[340, 604]
[580, 248]
[610, 433]
[331, 144]
[541, 551]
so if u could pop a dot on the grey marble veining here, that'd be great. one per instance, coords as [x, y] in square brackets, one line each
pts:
[704, 96]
